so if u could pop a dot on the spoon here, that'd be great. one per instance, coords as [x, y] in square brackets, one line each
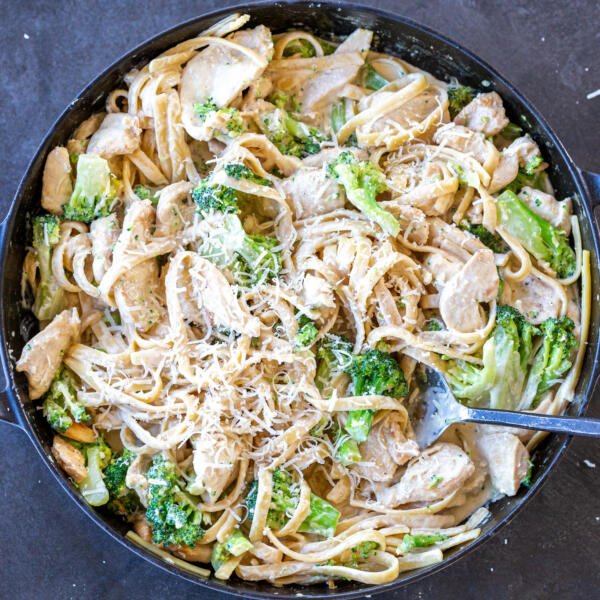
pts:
[437, 409]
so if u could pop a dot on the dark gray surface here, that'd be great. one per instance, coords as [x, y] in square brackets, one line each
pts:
[48, 548]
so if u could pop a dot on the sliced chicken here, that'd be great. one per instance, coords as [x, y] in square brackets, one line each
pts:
[476, 282]
[70, 459]
[386, 448]
[441, 268]
[317, 292]
[138, 295]
[312, 193]
[506, 457]
[548, 207]
[56, 181]
[120, 133]
[325, 85]
[215, 465]
[534, 298]
[439, 471]
[43, 354]
[470, 142]
[220, 73]
[484, 114]
[174, 209]
[518, 154]
[212, 292]
[103, 233]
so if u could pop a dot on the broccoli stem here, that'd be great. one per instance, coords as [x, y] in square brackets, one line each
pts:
[359, 424]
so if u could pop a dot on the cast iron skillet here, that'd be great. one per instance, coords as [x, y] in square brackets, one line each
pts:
[396, 35]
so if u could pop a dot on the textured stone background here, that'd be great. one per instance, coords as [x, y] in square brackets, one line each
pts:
[549, 49]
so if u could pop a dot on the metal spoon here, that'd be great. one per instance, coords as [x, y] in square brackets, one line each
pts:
[437, 409]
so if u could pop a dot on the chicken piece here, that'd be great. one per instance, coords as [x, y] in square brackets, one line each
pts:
[340, 256]
[120, 133]
[103, 233]
[212, 292]
[43, 353]
[477, 281]
[518, 154]
[215, 465]
[438, 472]
[70, 459]
[56, 181]
[441, 268]
[534, 298]
[328, 154]
[386, 448]
[324, 86]
[484, 114]
[312, 193]
[173, 210]
[506, 457]
[413, 223]
[470, 142]
[548, 207]
[138, 296]
[89, 126]
[317, 292]
[221, 73]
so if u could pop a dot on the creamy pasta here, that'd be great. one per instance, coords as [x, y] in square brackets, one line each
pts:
[242, 263]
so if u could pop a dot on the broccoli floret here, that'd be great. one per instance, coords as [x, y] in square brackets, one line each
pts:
[211, 197]
[359, 424]
[234, 124]
[434, 325]
[171, 513]
[346, 449]
[552, 361]
[145, 193]
[492, 240]
[361, 553]
[458, 97]
[529, 176]
[234, 545]
[61, 406]
[252, 259]
[307, 331]
[334, 356]
[284, 101]
[499, 382]
[544, 241]
[362, 182]
[511, 132]
[123, 500]
[420, 541]
[532, 165]
[299, 48]
[49, 297]
[369, 78]
[291, 137]
[321, 520]
[240, 171]
[377, 372]
[97, 457]
[95, 190]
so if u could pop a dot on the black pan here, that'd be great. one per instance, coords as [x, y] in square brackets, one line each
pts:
[395, 35]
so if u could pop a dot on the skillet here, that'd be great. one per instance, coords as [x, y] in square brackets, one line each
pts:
[406, 39]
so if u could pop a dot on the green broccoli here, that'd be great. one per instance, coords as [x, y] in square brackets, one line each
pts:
[529, 176]
[338, 115]
[334, 356]
[359, 424]
[123, 500]
[321, 520]
[95, 191]
[361, 553]
[97, 457]
[235, 544]
[499, 382]
[511, 132]
[434, 325]
[211, 197]
[284, 101]
[50, 296]
[240, 171]
[377, 372]
[291, 137]
[369, 78]
[458, 97]
[362, 182]
[420, 541]
[532, 165]
[346, 448]
[234, 123]
[145, 193]
[552, 361]
[544, 241]
[61, 406]
[307, 331]
[492, 240]
[171, 512]
[299, 48]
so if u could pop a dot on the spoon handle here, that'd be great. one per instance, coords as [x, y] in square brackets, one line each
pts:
[572, 425]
